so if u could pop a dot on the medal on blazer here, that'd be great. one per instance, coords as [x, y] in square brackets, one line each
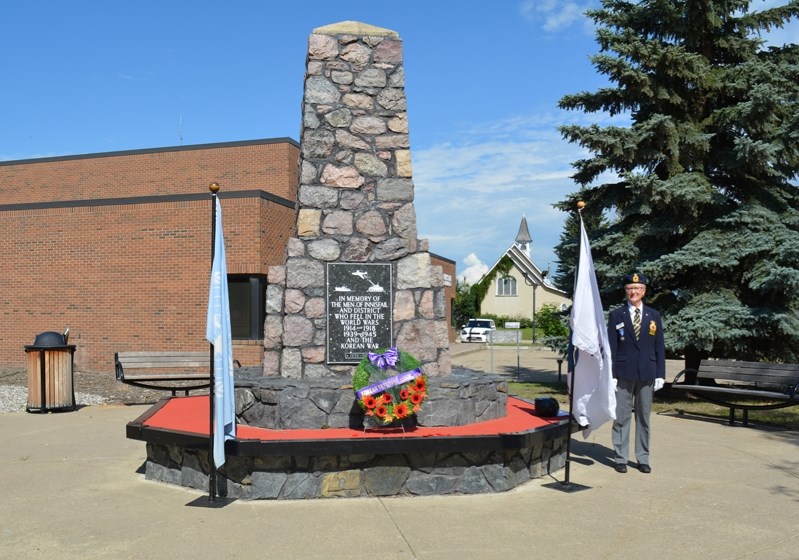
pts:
[653, 328]
[620, 330]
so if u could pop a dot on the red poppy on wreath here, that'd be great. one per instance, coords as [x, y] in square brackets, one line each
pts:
[401, 410]
[389, 384]
[369, 402]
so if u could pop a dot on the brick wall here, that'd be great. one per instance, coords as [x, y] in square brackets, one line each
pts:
[270, 165]
[450, 288]
[117, 246]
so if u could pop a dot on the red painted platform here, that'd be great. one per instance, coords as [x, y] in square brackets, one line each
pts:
[191, 415]
[505, 452]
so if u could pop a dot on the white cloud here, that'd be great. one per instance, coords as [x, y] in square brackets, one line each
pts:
[555, 15]
[471, 196]
[475, 269]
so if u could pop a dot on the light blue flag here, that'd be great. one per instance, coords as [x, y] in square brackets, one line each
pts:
[217, 331]
[594, 396]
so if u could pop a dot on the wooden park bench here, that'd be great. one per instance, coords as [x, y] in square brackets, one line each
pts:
[743, 385]
[173, 371]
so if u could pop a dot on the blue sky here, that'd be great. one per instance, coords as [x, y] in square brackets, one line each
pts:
[482, 80]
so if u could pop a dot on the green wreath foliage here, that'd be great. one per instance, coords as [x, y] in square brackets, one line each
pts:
[395, 403]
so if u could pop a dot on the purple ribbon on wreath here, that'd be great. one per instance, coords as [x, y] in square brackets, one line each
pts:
[393, 381]
[386, 359]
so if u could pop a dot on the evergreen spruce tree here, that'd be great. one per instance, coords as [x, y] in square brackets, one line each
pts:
[568, 248]
[705, 198]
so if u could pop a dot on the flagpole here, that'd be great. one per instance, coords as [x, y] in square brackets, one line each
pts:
[571, 362]
[567, 480]
[214, 188]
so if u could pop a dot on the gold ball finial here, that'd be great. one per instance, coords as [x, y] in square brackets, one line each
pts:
[580, 204]
[214, 187]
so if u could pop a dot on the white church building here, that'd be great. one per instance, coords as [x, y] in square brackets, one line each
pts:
[525, 288]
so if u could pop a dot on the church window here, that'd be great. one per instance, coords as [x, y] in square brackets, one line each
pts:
[506, 286]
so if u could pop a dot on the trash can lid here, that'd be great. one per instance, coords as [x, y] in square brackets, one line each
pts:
[49, 339]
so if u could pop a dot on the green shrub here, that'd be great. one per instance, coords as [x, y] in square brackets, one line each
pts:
[551, 321]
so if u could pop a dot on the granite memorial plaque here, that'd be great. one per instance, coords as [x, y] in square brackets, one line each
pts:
[359, 310]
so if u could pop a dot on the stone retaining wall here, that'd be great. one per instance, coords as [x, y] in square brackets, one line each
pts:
[294, 478]
[459, 399]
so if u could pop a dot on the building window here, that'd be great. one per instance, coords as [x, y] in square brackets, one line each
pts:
[506, 286]
[247, 307]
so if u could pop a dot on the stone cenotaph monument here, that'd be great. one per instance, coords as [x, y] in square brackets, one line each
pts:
[355, 277]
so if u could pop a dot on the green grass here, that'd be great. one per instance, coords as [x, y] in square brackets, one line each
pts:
[782, 417]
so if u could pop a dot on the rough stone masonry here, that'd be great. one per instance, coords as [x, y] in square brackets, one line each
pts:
[355, 205]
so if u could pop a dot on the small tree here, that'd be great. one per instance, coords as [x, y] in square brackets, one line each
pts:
[550, 320]
[465, 306]
[555, 324]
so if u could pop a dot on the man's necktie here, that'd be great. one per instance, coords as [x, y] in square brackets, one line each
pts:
[637, 323]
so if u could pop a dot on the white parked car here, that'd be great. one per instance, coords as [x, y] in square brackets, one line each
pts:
[476, 330]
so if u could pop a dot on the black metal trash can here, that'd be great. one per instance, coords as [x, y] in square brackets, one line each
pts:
[50, 376]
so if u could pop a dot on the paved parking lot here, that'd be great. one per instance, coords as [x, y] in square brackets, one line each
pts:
[525, 362]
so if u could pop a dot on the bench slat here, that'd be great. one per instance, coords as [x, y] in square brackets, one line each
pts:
[150, 365]
[166, 377]
[749, 372]
[131, 368]
[750, 365]
[144, 359]
[790, 370]
[749, 379]
[749, 393]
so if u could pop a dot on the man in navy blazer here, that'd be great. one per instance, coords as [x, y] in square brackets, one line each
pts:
[635, 334]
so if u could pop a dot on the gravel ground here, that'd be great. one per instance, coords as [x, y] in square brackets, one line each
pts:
[91, 388]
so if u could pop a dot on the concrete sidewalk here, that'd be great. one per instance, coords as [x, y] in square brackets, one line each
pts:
[70, 489]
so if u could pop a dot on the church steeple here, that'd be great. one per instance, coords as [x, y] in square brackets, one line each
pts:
[523, 239]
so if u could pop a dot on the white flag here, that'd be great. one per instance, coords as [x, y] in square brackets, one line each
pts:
[594, 397]
[217, 332]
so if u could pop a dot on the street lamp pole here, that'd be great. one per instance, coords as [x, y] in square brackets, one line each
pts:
[531, 282]
[534, 288]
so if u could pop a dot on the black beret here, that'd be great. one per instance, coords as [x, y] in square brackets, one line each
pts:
[635, 278]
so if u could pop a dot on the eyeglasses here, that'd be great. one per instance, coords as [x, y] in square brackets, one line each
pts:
[642, 289]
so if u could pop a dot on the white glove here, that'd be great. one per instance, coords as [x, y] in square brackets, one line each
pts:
[615, 383]
[659, 381]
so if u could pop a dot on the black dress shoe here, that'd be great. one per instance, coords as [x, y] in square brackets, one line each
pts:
[621, 468]
[644, 468]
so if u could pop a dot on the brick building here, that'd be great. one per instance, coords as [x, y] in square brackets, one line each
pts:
[117, 246]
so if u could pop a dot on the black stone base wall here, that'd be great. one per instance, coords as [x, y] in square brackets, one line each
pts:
[303, 477]
[459, 399]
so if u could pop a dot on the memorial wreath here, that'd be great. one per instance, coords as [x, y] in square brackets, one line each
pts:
[389, 385]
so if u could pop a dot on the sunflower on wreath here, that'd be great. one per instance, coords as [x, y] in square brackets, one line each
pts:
[389, 385]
